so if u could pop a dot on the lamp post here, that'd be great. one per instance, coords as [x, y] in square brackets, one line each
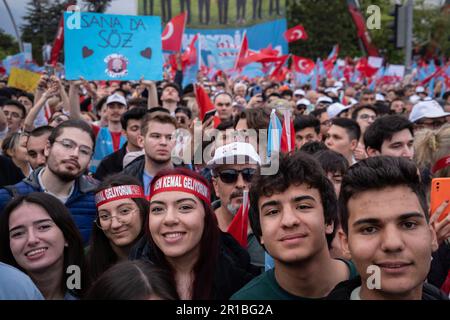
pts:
[14, 26]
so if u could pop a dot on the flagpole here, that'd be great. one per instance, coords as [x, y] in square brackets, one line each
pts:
[14, 26]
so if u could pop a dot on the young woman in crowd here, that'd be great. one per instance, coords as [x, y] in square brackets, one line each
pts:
[122, 211]
[183, 237]
[15, 147]
[38, 236]
[133, 280]
[433, 151]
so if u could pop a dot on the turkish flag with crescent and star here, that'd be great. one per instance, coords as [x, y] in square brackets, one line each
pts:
[296, 33]
[303, 65]
[173, 33]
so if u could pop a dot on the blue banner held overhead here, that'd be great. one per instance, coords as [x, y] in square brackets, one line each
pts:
[112, 47]
[220, 47]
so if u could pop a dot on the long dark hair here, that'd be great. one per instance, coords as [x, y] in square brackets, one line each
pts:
[101, 255]
[73, 252]
[205, 267]
[133, 280]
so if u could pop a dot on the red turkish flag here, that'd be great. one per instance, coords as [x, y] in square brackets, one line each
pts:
[238, 227]
[303, 65]
[203, 101]
[296, 33]
[243, 54]
[173, 33]
[287, 143]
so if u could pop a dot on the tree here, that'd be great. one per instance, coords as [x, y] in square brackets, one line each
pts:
[42, 20]
[8, 45]
[327, 23]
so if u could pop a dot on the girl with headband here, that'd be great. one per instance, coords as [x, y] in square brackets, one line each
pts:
[183, 237]
[39, 237]
[121, 214]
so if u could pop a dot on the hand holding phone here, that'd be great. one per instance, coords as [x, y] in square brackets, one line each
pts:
[440, 192]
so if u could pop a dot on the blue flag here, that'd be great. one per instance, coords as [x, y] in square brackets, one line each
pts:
[112, 47]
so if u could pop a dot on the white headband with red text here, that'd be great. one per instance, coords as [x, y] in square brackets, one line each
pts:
[182, 183]
[117, 193]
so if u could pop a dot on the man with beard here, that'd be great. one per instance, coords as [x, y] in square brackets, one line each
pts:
[69, 149]
[233, 167]
[158, 140]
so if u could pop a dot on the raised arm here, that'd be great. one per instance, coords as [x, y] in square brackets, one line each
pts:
[74, 99]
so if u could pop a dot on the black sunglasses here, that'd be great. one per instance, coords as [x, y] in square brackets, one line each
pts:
[231, 175]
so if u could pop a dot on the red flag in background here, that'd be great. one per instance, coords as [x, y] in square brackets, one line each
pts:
[238, 227]
[243, 53]
[58, 43]
[204, 103]
[332, 57]
[365, 68]
[189, 56]
[173, 33]
[362, 33]
[279, 72]
[295, 33]
[287, 133]
[303, 65]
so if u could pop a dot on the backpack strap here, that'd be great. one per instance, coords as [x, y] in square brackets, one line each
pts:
[12, 190]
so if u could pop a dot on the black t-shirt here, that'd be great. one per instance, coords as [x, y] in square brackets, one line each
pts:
[9, 172]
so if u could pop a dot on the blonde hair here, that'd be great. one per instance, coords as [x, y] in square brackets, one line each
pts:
[432, 145]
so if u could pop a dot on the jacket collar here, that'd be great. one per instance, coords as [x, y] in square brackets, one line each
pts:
[84, 183]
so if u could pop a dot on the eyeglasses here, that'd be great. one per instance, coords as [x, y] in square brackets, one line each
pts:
[366, 116]
[181, 120]
[58, 119]
[123, 216]
[231, 175]
[223, 104]
[326, 123]
[13, 114]
[71, 145]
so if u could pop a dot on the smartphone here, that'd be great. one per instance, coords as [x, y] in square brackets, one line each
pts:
[50, 70]
[440, 192]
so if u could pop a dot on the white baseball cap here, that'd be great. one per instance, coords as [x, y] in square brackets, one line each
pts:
[427, 109]
[303, 101]
[338, 85]
[234, 153]
[299, 92]
[335, 109]
[420, 89]
[324, 100]
[379, 97]
[116, 98]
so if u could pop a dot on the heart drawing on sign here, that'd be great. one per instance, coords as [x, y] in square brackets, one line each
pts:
[147, 53]
[87, 52]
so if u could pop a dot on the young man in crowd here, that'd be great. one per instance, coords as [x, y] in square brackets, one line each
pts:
[12, 116]
[367, 98]
[384, 216]
[131, 123]
[157, 138]
[391, 135]
[107, 139]
[37, 141]
[324, 119]
[364, 116]
[307, 128]
[343, 137]
[170, 97]
[293, 214]
[69, 150]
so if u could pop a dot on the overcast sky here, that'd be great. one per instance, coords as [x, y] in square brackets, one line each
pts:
[18, 10]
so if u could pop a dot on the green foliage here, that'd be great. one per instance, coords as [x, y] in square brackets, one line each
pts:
[329, 22]
[8, 45]
[42, 20]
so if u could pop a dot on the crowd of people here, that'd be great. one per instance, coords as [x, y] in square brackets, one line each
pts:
[127, 190]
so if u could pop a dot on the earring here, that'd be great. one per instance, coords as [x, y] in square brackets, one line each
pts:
[66, 244]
